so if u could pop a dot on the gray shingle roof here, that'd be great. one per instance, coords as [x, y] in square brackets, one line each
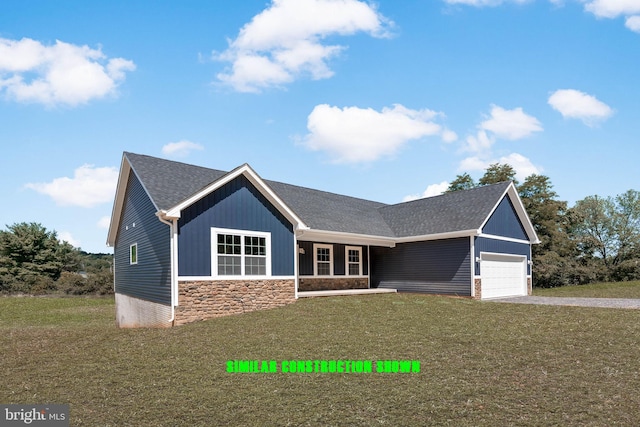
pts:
[321, 210]
[457, 211]
[169, 183]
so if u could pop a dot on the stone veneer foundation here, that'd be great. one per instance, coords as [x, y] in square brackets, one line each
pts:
[477, 284]
[331, 283]
[200, 300]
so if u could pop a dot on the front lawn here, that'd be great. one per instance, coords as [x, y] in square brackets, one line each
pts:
[482, 363]
[594, 290]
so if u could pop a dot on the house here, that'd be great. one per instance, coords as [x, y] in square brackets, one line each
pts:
[192, 243]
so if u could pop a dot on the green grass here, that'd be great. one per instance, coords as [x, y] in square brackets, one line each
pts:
[482, 364]
[594, 290]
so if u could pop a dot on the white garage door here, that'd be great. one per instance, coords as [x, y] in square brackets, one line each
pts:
[503, 275]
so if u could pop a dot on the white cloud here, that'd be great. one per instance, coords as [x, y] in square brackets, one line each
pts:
[431, 190]
[600, 8]
[65, 236]
[473, 163]
[480, 142]
[612, 8]
[630, 9]
[353, 134]
[633, 23]
[449, 135]
[510, 124]
[574, 104]
[482, 3]
[522, 165]
[90, 186]
[180, 149]
[104, 222]
[283, 42]
[62, 73]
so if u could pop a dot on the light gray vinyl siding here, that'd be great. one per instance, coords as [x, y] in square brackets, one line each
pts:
[150, 278]
[438, 266]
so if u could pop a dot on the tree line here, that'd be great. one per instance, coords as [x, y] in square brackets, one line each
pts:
[33, 260]
[596, 240]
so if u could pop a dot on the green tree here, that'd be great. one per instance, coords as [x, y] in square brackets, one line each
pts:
[496, 173]
[627, 224]
[30, 255]
[553, 257]
[607, 231]
[546, 212]
[461, 182]
[594, 227]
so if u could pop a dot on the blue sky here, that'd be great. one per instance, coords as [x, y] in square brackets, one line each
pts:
[386, 101]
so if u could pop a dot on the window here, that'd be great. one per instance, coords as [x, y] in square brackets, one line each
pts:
[241, 254]
[255, 250]
[229, 255]
[133, 254]
[323, 264]
[354, 260]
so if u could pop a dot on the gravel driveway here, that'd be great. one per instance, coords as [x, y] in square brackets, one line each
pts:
[578, 302]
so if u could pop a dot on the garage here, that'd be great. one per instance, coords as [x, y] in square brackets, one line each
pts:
[503, 275]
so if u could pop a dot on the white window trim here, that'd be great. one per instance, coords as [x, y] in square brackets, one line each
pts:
[317, 246]
[242, 234]
[137, 254]
[346, 260]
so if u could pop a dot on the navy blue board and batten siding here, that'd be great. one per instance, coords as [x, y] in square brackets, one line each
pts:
[435, 266]
[306, 259]
[503, 222]
[150, 278]
[237, 205]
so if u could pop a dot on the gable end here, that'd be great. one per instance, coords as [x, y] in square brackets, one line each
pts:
[237, 205]
[504, 222]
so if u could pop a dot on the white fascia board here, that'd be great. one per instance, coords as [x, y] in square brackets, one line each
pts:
[520, 211]
[363, 239]
[438, 236]
[322, 236]
[118, 202]
[253, 177]
[524, 217]
[506, 239]
[273, 198]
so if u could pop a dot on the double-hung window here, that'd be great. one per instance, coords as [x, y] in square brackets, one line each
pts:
[323, 260]
[353, 260]
[241, 253]
[255, 251]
